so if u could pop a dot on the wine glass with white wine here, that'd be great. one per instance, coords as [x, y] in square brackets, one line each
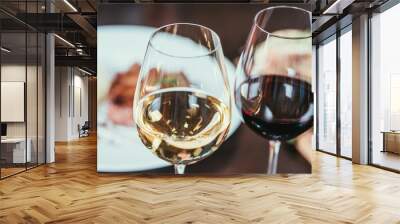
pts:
[182, 104]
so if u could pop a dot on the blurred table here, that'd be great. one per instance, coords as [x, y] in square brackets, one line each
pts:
[391, 141]
[13, 150]
[243, 153]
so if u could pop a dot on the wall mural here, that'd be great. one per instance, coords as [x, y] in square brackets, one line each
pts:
[170, 104]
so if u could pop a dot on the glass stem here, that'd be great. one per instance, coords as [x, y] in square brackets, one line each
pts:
[180, 169]
[274, 147]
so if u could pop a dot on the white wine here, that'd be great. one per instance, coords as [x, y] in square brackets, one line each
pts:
[181, 126]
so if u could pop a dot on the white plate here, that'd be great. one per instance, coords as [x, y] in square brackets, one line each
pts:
[119, 148]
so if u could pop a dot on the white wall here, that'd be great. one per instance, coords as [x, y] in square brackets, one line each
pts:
[12, 73]
[71, 94]
[61, 103]
[33, 126]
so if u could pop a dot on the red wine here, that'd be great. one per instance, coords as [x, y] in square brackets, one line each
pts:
[276, 107]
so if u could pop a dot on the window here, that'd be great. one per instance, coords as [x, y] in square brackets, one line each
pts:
[327, 96]
[385, 89]
[346, 94]
[22, 78]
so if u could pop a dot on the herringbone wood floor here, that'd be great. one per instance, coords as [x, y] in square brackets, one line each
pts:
[70, 191]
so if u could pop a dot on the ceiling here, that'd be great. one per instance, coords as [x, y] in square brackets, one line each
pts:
[75, 22]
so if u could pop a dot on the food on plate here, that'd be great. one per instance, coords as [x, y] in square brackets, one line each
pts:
[120, 96]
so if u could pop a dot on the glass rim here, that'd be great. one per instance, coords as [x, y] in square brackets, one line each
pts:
[281, 36]
[213, 33]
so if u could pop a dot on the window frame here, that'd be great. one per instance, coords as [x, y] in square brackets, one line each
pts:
[334, 37]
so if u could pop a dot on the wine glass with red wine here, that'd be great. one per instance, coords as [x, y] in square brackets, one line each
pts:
[272, 86]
